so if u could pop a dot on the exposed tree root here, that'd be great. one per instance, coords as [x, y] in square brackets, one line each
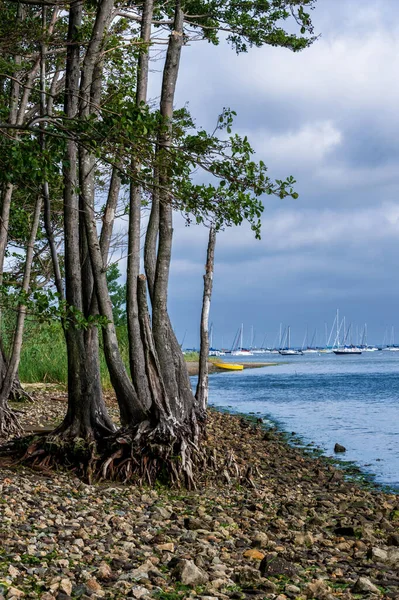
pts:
[18, 394]
[9, 423]
[48, 451]
[143, 455]
[147, 454]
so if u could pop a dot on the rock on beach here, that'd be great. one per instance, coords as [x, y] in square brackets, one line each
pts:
[284, 527]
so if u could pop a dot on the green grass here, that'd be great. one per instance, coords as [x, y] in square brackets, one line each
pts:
[44, 357]
[191, 356]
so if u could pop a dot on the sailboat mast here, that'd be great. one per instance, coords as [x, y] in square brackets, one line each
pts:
[289, 338]
[242, 335]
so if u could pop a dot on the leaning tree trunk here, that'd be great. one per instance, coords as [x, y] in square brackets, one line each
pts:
[202, 391]
[13, 362]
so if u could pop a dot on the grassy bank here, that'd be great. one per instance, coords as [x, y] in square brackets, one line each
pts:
[44, 358]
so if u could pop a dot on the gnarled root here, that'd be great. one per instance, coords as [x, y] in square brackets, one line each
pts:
[18, 394]
[9, 424]
[168, 452]
[147, 454]
[47, 451]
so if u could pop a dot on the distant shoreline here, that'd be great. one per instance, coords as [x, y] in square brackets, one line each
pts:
[193, 366]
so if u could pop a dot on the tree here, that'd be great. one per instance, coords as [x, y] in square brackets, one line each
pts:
[106, 125]
[201, 394]
[20, 67]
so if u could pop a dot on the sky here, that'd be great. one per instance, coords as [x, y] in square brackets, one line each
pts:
[329, 116]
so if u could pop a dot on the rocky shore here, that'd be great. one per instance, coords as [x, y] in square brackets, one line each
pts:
[285, 526]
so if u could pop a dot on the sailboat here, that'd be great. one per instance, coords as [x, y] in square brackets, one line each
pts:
[364, 345]
[240, 351]
[213, 351]
[343, 349]
[392, 347]
[288, 351]
[306, 349]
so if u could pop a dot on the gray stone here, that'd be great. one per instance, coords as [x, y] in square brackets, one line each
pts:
[189, 574]
[378, 554]
[139, 592]
[292, 589]
[260, 540]
[393, 556]
[162, 512]
[364, 586]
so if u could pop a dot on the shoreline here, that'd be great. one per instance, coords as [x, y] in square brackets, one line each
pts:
[272, 522]
[350, 468]
[193, 366]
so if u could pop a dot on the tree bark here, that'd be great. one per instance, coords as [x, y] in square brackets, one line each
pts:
[151, 238]
[172, 364]
[109, 216]
[13, 362]
[136, 350]
[87, 416]
[47, 106]
[202, 391]
[131, 407]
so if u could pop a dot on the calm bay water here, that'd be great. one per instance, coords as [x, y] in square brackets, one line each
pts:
[352, 400]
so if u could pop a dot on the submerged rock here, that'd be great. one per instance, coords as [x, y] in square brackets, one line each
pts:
[339, 448]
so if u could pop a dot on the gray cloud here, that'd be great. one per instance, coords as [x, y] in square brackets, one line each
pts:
[328, 116]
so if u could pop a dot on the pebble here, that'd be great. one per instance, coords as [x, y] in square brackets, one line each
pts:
[364, 585]
[294, 535]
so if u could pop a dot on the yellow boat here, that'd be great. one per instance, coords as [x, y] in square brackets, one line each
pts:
[228, 366]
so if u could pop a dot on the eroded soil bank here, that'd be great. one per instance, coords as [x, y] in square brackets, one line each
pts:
[285, 526]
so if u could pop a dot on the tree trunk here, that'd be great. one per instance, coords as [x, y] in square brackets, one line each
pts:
[151, 238]
[109, 216]
[201, 394]
[47, 107]
[87, 416]
[13, 363]
[136, 350]
[131, 407]
[9, 424]
[172, 364]
[148, 450]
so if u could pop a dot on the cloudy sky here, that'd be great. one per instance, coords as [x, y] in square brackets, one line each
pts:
[330, 117]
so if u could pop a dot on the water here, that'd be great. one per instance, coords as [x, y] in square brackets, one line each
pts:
[352, 400]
